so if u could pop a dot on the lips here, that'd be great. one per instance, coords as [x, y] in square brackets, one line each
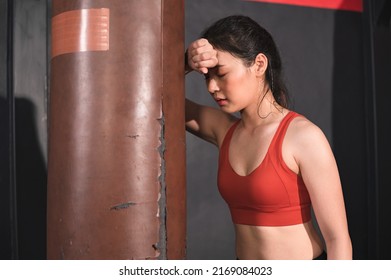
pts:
[221, 101]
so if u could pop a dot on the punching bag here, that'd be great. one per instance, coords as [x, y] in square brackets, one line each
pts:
[116, 159]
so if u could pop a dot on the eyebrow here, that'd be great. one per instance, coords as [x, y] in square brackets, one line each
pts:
[218, 66]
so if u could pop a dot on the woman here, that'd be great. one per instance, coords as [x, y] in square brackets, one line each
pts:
[273, 163]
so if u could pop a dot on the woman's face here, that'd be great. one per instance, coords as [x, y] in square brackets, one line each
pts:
[233, 85]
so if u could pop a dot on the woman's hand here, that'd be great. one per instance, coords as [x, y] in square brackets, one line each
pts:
[200, 56]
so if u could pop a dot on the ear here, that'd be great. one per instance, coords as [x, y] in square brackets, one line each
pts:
[260, 64]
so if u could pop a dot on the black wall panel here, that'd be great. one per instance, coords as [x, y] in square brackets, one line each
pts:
[377, 57]
[23, 52]
[6, 134]
[348, 122]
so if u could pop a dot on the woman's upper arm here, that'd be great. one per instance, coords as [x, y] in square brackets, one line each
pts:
[207, 122]
[319, 171]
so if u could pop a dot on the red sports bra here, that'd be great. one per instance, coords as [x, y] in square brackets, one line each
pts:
[272, 194]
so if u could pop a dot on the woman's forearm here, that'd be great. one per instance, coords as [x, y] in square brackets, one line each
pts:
[339, 249]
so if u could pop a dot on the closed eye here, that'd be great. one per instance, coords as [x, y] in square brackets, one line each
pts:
[221, 75]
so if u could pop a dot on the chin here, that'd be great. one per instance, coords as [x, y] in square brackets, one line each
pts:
[228, 110]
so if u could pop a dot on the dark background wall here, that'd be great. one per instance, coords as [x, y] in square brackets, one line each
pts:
[5, 183]
[337, 66]
[23, 103]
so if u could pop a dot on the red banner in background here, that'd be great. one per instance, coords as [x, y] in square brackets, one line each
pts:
[348, 5]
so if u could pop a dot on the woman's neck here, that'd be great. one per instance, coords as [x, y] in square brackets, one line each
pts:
[265, 111]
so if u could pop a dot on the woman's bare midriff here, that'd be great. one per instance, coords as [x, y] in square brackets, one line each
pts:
[300, 242]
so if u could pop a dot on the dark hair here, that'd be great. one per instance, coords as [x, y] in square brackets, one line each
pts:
[244, 38]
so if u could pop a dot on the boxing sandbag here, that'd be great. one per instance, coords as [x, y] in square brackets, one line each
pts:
[116, 159]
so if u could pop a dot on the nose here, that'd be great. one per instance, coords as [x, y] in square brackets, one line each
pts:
[212, 86]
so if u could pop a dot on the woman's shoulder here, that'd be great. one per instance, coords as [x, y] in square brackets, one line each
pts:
[304, 132]
[300, 123]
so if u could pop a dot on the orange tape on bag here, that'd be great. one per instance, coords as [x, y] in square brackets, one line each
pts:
[80, 31]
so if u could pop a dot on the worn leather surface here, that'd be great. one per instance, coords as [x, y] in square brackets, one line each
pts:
[174, 134]
[110, 112]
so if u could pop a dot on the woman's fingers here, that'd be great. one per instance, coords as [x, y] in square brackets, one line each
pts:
[202, 55]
